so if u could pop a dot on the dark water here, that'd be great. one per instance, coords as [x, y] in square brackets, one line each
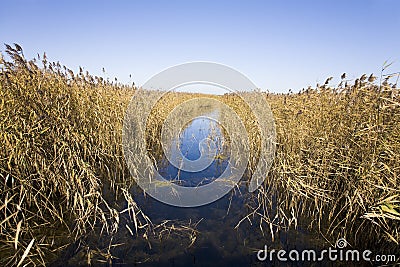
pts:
[217, 241]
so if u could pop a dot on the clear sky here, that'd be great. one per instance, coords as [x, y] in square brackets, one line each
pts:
[277, 44]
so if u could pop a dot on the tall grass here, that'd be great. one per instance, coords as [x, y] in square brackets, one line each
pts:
[63, 175]
[60, 148]
[337, 162]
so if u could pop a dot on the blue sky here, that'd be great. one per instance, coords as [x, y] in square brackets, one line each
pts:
[277, 44]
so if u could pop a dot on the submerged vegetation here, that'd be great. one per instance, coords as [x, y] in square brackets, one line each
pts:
[63, 178]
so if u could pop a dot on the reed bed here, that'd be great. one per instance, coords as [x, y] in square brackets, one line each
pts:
[64, 178]
[63, 175]
[337, 162]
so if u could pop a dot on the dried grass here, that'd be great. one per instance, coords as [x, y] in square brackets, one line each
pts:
[63, 173]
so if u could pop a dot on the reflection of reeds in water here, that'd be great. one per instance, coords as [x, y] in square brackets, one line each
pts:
[169, 101]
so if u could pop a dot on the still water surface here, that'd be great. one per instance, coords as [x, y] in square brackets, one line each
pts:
[218, 243]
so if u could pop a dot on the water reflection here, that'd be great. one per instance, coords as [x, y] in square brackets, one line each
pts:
[189, 140]
[218, 242]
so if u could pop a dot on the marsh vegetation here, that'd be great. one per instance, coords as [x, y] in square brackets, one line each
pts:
[67, 194]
